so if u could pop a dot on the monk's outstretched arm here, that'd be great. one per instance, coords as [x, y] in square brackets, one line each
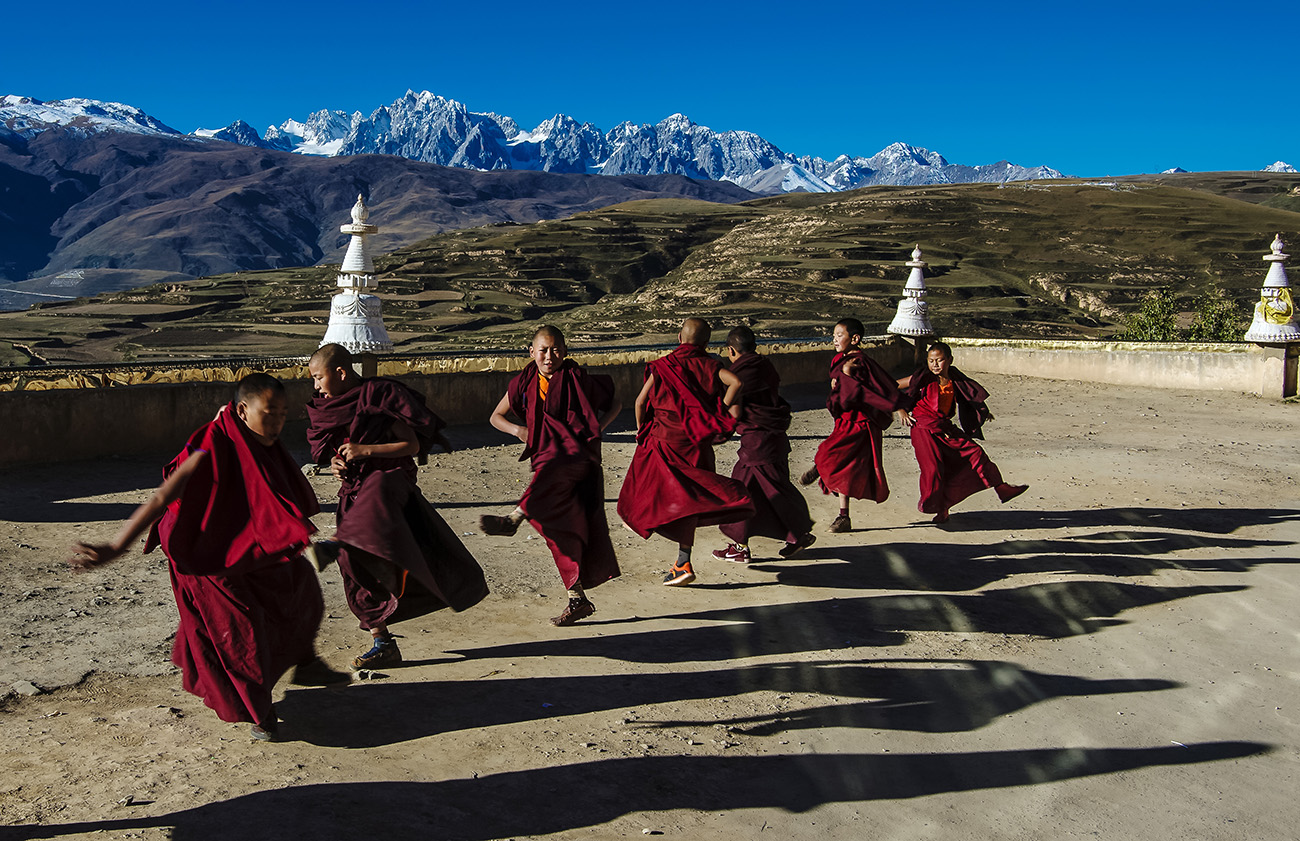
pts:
[96, 554]
[731, 399]
[500, 421]
[407, 444]
[643, 401]
[612, 412]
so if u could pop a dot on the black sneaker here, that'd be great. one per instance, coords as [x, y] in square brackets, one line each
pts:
[791, 550]
[316, 672]
[501, 526]
[384, 653]
[840, 525]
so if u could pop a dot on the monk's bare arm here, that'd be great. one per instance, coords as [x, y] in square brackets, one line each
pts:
[405, 445]
[643, 401]
[905, 382]
[731, 399]
[612, 412]
[96, 554]
[500, 420]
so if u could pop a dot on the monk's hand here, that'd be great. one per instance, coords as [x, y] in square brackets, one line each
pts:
[354, 452]
[338, 466]
[91, 555]
[906, 419]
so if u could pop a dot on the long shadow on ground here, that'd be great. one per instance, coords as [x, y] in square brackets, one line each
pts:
[932, 696]
[935, 565]
[541, 801]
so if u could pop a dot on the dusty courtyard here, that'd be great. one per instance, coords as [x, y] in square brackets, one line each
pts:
[1112, 655]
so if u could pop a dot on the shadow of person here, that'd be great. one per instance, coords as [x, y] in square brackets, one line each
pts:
[1217, 520]
[934, 565]
[927, 696]
[1048, 610]
[539, 801]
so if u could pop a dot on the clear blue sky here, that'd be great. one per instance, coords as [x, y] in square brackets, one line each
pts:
[1090, 89]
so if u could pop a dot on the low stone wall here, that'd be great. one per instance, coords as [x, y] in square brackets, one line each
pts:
[1251, 369]
[67, 415]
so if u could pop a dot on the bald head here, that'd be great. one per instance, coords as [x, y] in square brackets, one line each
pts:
[332, 356]
[549, 331]
[695, 331]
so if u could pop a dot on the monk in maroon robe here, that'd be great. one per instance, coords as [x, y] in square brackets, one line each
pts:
[763, 461]
[564, 410]
[952, 465]
[849, 462]
[232, 518]
[395, 550]
[671, 487]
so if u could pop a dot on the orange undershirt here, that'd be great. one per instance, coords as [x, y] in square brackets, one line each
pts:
[542, 385]
[946, 395]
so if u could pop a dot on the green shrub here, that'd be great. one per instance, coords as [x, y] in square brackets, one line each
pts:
[1156, 320]
[1218, 318]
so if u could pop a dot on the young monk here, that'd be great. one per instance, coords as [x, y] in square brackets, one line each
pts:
[671, 487]
[392, 543]
[564, 410]
[763, 462]
[232, 518]
[862, 398]
[953, 466]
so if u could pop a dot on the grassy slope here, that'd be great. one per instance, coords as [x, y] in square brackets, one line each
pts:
[1040, 259]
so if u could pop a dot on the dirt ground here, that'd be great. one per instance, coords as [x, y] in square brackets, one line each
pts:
[1112, 655]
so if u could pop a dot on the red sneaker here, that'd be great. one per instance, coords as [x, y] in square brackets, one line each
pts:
[733, 552]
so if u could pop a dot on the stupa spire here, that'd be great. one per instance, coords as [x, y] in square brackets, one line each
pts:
[913, 317]
[356, 320]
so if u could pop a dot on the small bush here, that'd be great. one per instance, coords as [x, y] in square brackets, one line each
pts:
[1156, 320]
[1218, 318]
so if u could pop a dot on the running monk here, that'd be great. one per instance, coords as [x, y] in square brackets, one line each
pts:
[763, 461]
[232, 518]
[564, 410]
[393, 546]
[952, 465]
[862, 397]
[671, 487]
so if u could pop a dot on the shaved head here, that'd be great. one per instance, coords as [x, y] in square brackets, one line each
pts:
[257, 387]
[695, 331]
[551, 332]
[332, 356]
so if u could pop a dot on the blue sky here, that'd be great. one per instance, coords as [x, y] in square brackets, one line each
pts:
[1094, 89]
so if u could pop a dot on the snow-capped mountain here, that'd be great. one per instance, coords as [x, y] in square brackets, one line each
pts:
[26, 117]
[1279, 166]
[426, 127]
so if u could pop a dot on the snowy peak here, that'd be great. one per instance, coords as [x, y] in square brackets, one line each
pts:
[27, 117]
[423, 126]
[1279, 166]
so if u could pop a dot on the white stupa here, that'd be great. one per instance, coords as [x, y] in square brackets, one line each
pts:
[913, 317]
[1275, 319]
[355, 319]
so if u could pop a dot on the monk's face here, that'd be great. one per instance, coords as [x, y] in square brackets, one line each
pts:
[843, 339]
[264, 415]
[939, 362]
[548, 352]
[330, 382]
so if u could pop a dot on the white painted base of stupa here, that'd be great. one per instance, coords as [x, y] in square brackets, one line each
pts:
[1273, 334]
[912, 320]
[357, 323]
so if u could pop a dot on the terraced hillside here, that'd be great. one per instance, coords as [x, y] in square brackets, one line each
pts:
[1062, 258]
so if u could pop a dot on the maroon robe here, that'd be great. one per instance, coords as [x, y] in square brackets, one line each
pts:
[671, 487]
[565, 501]
[952, 465]
[763, 461]
[850, 461]
[249, 603]
[391, 536]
